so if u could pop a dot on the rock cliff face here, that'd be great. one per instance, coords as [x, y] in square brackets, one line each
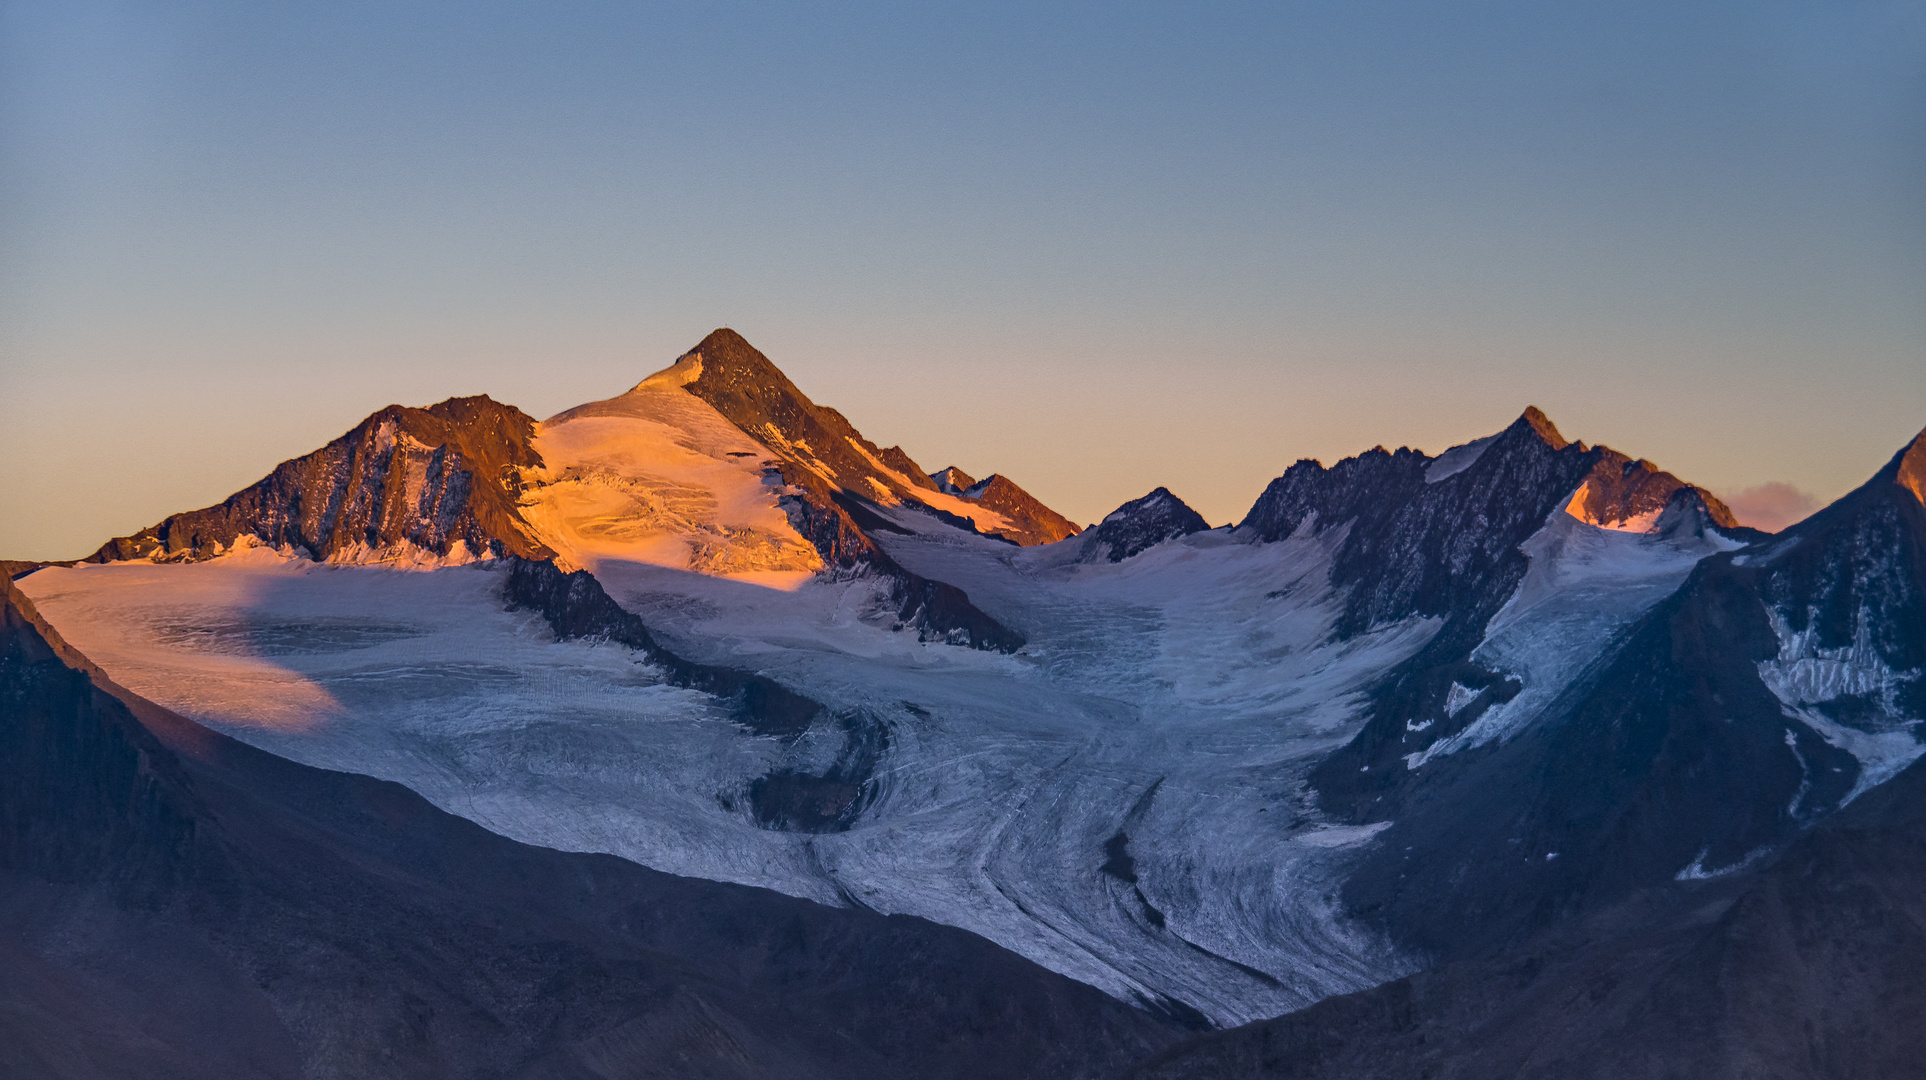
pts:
[1139, 525]
[1620, 493]
[1804, 967]
[1776, 685]
[820, 450]
[952, 481]
[1031, 522]
[1415, 543]
[180, 905]
[440, 481]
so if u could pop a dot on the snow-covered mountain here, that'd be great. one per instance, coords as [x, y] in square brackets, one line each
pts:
[1408, 709]
[1139, 525]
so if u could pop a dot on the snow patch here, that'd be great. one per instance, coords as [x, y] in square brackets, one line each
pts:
[1337, 836]
[1805, 675]
[1585, 584]
[1698, 871]
[1456, 460]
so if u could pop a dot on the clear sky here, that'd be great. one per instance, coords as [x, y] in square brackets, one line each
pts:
[1097, 247]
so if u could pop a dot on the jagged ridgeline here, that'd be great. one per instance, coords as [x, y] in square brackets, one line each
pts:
[718, 464]
[442, 481]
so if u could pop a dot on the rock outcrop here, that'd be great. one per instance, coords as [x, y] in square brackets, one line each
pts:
[1139, 525]
[440, 482]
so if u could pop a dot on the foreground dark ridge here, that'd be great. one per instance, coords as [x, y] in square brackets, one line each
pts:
[1811, 968]
[180, 905]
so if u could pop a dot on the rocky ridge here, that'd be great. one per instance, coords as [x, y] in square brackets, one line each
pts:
[441, 482]
[1029, 521]
[1138, 525]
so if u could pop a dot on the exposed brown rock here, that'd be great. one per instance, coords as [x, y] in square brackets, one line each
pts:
[1034, 523]
[428, 478]
[1535, 419]
[822, 455]
[895, 458]
[1620, 489]
[1909, 467]
[748, 390]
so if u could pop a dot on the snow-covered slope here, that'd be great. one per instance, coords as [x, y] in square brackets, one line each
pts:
[657, 476]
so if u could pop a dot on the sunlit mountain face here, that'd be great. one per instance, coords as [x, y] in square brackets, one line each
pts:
[689, 725]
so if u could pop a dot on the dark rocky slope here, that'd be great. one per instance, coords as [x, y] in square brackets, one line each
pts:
[429, 478]
[1434, 537]
[1811, 967]
[1031, 522]
[1709, 736]
[180, 905]
[1139, 525]
[823, 453]
[1448, 547]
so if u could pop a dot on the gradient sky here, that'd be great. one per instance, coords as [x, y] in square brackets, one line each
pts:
[1096, 247]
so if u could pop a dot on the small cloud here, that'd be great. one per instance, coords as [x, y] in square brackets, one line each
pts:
[1771, 506]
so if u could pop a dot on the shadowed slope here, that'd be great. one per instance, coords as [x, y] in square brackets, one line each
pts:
[182, 905]
[1810, 968]
[1774, 686]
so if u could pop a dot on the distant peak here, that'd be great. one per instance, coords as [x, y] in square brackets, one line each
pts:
[953, 480]
[1537, 421]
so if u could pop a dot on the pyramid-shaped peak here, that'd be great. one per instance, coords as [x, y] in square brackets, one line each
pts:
[1535, 420]
[724, 348]
[726, 358]
[1140, 524]
[953, 480]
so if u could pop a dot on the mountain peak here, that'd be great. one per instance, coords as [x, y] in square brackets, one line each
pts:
[1139, 525]
[953, 481]
[723, 357]
[727, 348]
[1031, 521]
[1535, 419]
